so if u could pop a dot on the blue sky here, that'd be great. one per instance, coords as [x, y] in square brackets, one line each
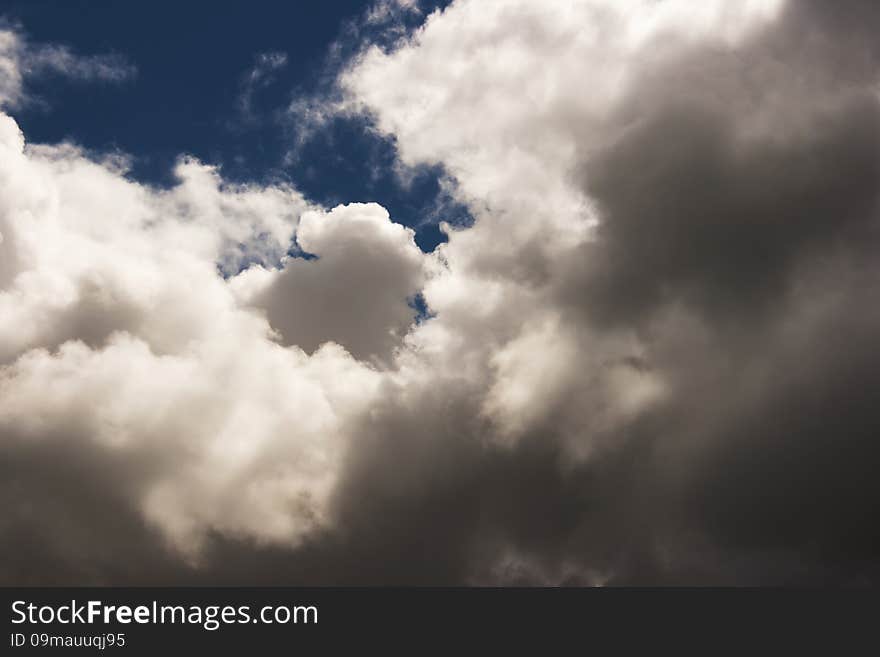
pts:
[193, 63]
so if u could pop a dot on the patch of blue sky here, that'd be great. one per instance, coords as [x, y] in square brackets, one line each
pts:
[216, 81]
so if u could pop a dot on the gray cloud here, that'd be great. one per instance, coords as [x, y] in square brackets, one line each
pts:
[736, 194]
[355, 292]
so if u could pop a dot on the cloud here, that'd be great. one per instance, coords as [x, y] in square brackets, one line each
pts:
[650, 360]
[121, 337]
[671, 217]
[260, 75]
[384, 12]
[313, 112]
[21, 60]
[355, 293]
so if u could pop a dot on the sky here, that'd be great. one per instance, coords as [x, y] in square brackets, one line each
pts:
[460, 293]
[232, 70]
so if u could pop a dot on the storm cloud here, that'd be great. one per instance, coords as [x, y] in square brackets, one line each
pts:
[651, 360]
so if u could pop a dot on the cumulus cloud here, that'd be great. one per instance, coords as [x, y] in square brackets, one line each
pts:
[650, 360]
[126, 351]
[674, 209]
[357, 292]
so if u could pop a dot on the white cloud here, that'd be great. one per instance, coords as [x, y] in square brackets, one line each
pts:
[118, 331]
[261, 74]
[21, 59]
[497, 91]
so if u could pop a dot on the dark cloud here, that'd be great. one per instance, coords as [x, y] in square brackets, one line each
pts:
[739, 241]
[70, 515]
[694, 214]
[767, 242]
